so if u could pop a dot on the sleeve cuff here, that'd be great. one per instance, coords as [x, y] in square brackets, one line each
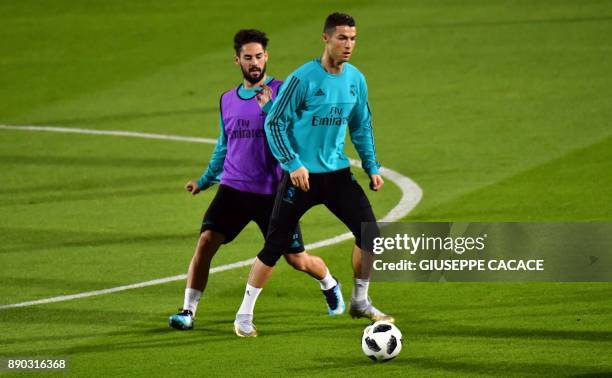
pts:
[372, 169]
[292, 165]
[204, 183]
[266, 108]
[201, 183]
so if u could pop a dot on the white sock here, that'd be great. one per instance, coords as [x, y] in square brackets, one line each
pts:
[192, 298]
[360, 289]
[248, 302]
[327, 282]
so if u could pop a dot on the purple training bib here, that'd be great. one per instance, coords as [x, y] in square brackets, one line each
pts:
[249, 165]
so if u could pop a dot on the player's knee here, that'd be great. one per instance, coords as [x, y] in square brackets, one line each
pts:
[208, 243]
[205, 240]
[299, 261]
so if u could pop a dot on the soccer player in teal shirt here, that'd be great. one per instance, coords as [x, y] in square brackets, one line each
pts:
[306, 128]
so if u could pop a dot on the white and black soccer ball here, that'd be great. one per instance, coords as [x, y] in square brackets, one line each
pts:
[381, 341]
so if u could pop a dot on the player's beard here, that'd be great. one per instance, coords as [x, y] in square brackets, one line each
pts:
[247, 74]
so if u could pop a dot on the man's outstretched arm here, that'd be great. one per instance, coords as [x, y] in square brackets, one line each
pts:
[212, 174]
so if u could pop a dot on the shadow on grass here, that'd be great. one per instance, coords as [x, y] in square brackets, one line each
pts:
[517, 333]
[147, 338]
[123, 117]
[95, 183]
[81, 161]
[94, 195]
[500, 299]
[436, 366]
[565, 20]
[139, 323]
[61, 239]
[64, 283]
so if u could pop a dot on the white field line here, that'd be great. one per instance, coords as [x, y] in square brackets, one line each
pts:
[411, 196]
[129, 134]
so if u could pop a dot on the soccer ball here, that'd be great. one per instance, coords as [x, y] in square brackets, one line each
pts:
[381, 341]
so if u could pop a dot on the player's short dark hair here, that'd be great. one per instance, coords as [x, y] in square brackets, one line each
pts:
[337, 19]
[245, 36]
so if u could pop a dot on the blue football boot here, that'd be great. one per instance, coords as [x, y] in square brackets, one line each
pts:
[182, 320]
[334, 299]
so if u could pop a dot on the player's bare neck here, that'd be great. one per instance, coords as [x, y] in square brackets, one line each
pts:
[247, 84]
[331, 66]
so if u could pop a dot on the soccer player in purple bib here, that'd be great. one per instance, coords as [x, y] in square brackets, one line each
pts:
[306, 129]
[249, 176]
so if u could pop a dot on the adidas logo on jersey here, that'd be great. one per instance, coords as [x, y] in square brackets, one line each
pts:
[319, 92]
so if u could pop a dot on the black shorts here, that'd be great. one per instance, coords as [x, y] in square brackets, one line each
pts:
[339, 191]
[231, 210]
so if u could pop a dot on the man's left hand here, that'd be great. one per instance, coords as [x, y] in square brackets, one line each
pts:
[376, 182]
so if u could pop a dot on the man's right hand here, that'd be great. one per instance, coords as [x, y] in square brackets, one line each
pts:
[299, 178]
[192, 187]
[264, 95]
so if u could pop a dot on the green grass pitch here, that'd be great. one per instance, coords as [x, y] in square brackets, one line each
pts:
[499, 110]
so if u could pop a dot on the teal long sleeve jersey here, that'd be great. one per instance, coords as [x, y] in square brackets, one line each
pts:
[307, 123]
